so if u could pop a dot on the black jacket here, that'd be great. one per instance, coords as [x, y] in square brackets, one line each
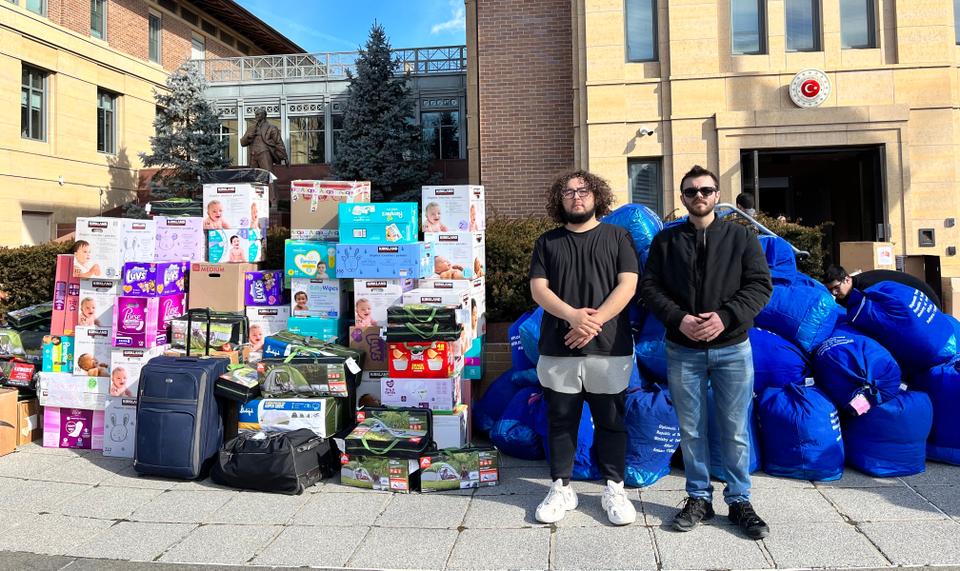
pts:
[691, 271]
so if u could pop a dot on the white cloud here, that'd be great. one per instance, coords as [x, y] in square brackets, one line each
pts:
[457, 21]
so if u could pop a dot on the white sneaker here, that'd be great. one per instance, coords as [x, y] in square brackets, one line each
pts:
[619, 508]
[560, 499]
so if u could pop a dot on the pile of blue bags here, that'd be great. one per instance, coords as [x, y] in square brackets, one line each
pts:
[875, 386]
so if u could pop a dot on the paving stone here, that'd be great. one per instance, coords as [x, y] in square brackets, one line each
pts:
[882, 504]
[675, 480]
[827, 545]
[947, 498]
[109, 565]
[502, 512]
[129, 478]
[411, 548]
[31, 561]
[437, 511]
[223, 544]
[312, 546]
[501, 549]
[936, 474]
[205, 485]
[258, 508]
[792, 505]
[855, 479]
[763, 481]
[342, 510]
[534, 481]
[660, 507]
[507, 461]
[85, 470]
[589, 512]
[50, 534]
[36, 448]
[36, 496]
[916, 543]
[108, 503]
[182, 507]
[629, 547]
[708, 547]
[133, 541]
[24, 465]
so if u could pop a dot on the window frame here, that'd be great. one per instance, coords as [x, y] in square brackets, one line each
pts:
[658, 161]
[45, 77]
[103, 19]
[874, 39]
[224, 134]
[762, 43]
[194, 38]
[440, 127]
[817, 28]
[302, 135]
[43, 7]
[113, 130]
[656, 32]
[158, 17]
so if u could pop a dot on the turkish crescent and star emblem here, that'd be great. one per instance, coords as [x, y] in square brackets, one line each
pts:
[809, 88]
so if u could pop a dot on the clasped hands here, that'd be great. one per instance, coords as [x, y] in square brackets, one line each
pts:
[702, 327]
[585, 324]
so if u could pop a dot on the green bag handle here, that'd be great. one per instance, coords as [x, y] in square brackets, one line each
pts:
[372, 450]
[421, 333]
[410, 313]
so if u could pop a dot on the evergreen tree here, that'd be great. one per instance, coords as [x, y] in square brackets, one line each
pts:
[187, 140]
[380, 142]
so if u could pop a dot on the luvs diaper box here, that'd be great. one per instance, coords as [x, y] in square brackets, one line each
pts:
[314, 206]
[151, 279]
[456, 208]
[457, 255]
[243, 245]
[378, 223]
[236, 206]
[263, 288]
[379, 261]
[180, 238]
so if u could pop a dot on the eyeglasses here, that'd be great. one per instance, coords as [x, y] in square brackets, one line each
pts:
[581, 192]
[704, 191]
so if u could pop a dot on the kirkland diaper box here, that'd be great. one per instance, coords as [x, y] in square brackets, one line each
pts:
[439, 395]
[379, 223]
[314, 260]
[91, 351]
[236, 206]
[125, 367]
[119, 427]
[368, 392]
[97, 298]
[98, 248]
[72, 391]
[316, 298]
[57, 354]
[232, 246]
[180, 238]
[455, 297]
[381, 261]
[65, 427]
[152, 279]
[266, 321]
[314, 206]
[478, 298]
[321, 415]
[263, 288]
[457, 255]
[457, 208]
[219, 287]
[372, 297]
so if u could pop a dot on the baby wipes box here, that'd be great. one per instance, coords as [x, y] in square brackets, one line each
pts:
[119, 427]
[316, 298]
[180, 238]
[307, 259]
[98, 248]
[65, 427]
[380, 261]
[456, 208]
[97, 298]
[151, 279]
[321, 415]
[378, 223]
[236, 206]
[92, 346]
[314, 206]
[457, 255]
[125, 368]
[243, 245]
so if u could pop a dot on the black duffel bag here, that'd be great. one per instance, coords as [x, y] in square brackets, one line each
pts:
[282, 462]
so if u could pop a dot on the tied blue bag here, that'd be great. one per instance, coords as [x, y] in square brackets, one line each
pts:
[585, 458]
[906, 322]
[489, 408]
[780, 258]
[849, 364]
[890, 439]
[650, 349]
[776, 361]
[642, 224]
[530, 335]
[517, 355]
[942, 385]
[802, 312]
[515, 432]
[716, 444]
[653, 434]
[801, 434]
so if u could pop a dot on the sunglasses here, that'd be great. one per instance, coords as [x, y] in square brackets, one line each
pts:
[704, 191]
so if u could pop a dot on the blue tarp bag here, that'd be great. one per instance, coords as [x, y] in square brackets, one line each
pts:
[716, 447]
[514, 433]
[906, 322]
[890, 439]
[801, 434]
[642, 224]
[653, 435]
[584, 459]
[530, 335]
[650, 349]
[942, 385]
[776, 361]
[850, 363]
[780, 258]
[517, 355]
[487, 410]
[802, 312]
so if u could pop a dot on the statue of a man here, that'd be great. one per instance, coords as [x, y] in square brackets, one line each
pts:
[264, 145]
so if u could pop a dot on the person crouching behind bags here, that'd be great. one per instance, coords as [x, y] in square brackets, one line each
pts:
[583, 274]
[706, 280]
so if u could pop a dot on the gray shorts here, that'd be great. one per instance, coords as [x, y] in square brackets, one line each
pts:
[593, 373]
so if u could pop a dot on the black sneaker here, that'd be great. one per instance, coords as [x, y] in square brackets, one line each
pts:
[742, 514]
[694, 511]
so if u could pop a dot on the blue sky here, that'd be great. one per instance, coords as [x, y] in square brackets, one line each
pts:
[335, 25]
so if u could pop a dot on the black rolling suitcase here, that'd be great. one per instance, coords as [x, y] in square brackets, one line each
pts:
[282, 462]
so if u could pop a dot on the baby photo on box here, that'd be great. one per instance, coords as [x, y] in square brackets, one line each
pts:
[125, 367]
[226, 246]
[316, 298]
[235, 206]
[308, 259]
[96, 302]
[91, 351]
[457, 208]
[371, 298]
[97, 249]
[266, 321]
[457, 255]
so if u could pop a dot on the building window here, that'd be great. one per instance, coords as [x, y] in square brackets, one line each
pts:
[198, 47]
[155, 33]
[98, 18]
[646, 187]
[227, 38]
[803, 25]
[858, 24]
[306, 140]
[244, 48]
[190, 17]
[33, 103]
[228, 133]
[641, 30]
[956, 20]
[441, 133]
[37, 6]
[337, 128]
[747, 26]
[106, 122]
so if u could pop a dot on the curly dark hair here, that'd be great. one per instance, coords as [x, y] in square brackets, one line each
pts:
[602, 195]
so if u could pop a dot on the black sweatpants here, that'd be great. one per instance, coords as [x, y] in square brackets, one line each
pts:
[610, 435]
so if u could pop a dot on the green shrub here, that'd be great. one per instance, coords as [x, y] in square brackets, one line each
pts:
[806, 238]
[509, 247]
[27, 274]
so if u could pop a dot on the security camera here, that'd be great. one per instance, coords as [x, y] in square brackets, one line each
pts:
[643, 132]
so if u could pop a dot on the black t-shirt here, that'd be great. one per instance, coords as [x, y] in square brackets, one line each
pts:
[582, 269]
[869, 278]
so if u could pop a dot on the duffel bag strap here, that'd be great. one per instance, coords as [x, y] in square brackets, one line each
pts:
[412, 315]
[381, 451]
[421, 333]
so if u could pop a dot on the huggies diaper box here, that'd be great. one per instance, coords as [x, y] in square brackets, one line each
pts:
[378, 223]
[316, 298]
[457, 208]
[92, 346]
[68, 390]
[125, 367]
[314, 206]
[57, 354]
[457, 255]
[372, 297]
[119, 427]
[263, 288]
[236, 206]
[151, 279]
[97, 298]
[380, 261]
[180, 238]
[243, 245]
[305, 259]
[65, 427]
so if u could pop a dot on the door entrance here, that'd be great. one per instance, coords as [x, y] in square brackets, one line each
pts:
[811, 186]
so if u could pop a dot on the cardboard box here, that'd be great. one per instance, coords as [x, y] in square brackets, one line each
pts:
[91, 352]
[319, 327]
[372, 297]
[125, 367]
[72, 391]
[423, 359]
[218, 287]
[459, 469]
[453, 208]
[97, 298]
[138, 240]
[312, 260]
[236, 206]
[379, 473]
[72, 428]
[29, 427]
[314, 206]
[951, 296]
[370, 341]
[8, 421]
[865, 256]
[321, 415]
[263, 288]
[235, 246]
[478, 298]
[265, 321]
[913, 265]
[141, 322]
[180, 238]
[458, 255]
[152, 279]
[316, 298]
[379, 223]
[473, 361]
[66, 293]
[119, 427]
[98, 248]
[368, 392]
[57, 354]
[439, 395]
[459, 298]
[376, 261]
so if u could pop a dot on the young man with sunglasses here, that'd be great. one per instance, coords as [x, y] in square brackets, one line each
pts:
[706, 280]
[583, 274]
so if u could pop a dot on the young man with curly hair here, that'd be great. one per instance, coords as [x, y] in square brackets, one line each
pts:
[583, 274]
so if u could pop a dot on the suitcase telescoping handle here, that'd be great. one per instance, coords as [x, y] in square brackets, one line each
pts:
[204, 311]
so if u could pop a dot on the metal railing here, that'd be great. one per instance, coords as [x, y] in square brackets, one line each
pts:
[327, 65]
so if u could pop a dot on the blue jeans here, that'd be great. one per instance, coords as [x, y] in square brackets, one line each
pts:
[729, 370]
